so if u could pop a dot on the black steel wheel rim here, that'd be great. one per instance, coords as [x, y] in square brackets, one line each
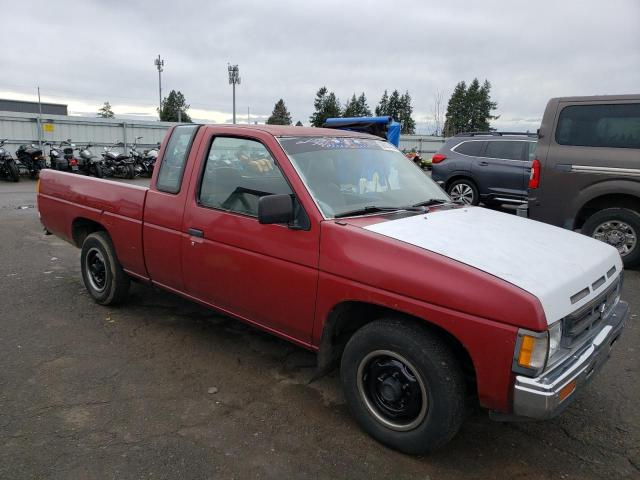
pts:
[96, 269]
[392, 390]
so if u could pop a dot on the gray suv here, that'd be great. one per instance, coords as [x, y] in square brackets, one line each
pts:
[586, 171]
[492, 167]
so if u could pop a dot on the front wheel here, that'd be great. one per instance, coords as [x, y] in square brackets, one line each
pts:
[403, 385]
[14, 172]
[103, 276]
[130, 171]
[464, 191]
[620, 228]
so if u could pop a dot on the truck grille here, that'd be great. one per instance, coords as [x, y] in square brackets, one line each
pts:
[581, 324]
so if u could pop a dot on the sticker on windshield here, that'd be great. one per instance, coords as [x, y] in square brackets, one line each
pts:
[308, 144]
[385, 145]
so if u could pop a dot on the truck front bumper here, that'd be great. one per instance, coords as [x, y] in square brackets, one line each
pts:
[547, 395]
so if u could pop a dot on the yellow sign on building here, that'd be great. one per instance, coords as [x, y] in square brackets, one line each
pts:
[48, 127]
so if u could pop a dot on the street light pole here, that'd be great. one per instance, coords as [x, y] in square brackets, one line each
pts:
[159, 64]
[234, 79]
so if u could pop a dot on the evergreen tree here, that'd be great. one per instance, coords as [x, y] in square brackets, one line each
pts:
[485, 108]
[299, 124]
[363, 107]
[326, 105]
[470, 109]
[174, 108]
[407, 123]
[280, 114]
[472, 106]
[357, 107]
[105, 111]
[394, 106]
[383, 106]
[351, 107]
[455, 118]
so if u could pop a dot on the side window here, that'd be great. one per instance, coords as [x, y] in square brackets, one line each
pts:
[237, 173]
[175, 158]
[615, 126]
[472, 148]
[510, 150]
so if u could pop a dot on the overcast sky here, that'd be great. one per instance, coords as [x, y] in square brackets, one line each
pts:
[85, 52]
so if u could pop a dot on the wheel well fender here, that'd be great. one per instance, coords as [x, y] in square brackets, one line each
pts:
[611, 200]
[82, 227]
[348, 317]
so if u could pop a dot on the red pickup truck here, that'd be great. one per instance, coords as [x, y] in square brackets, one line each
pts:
[335, 241]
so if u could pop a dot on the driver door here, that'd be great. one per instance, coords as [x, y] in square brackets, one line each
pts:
[264, 274]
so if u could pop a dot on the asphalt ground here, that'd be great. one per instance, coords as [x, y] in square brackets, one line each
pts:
[161, 388]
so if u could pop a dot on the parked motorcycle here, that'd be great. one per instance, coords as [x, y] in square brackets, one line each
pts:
[61, 157]
[143, 162]
[31, 158]
[149, 157]
[89, 163]
[8, 167]
[116, 163]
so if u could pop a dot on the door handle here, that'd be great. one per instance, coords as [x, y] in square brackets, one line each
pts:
[194, 232]
[484, 164]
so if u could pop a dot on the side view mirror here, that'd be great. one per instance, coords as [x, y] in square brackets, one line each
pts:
[275, 209]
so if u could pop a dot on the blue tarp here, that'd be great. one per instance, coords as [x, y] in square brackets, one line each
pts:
[385, 127]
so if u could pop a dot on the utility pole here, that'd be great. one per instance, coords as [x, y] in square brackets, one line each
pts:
[234, 79]
[159, 62]
[39, 120]
[248, 117]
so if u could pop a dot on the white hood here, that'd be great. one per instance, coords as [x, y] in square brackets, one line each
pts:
[551, 263]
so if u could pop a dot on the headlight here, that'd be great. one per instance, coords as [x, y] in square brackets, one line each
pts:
[555, 335]
[534, 349]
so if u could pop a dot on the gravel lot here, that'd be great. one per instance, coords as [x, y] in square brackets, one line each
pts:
[161, 388]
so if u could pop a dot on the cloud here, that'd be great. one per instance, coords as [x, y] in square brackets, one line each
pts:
[529, 51]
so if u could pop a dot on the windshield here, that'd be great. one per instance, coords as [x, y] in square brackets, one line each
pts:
[348, 174]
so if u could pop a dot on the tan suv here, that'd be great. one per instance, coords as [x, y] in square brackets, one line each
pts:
[586, 171]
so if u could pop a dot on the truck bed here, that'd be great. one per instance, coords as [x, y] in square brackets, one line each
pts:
[68, 203]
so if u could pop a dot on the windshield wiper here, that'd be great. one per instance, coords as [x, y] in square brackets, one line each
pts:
[376, 208]
[432, 201]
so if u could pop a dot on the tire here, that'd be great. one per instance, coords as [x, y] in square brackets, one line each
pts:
[102, 274]
[619, 227]
[464, 191]
[375, 351]
[97, 171]
[131, 172]
[14, 172]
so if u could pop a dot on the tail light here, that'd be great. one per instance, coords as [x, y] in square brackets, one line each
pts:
[73, 162]
[534, 177]
[438, 157]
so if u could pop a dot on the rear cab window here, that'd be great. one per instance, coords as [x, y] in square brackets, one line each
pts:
[175, 157]
[611, 126]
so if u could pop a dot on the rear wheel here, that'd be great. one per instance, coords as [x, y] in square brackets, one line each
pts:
[103, 276]
[464, 191]
[620, 228]
[403, 385]
[96, 170]
[14, 172]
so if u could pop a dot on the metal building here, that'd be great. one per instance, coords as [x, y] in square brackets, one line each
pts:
[21, 128]
[32, 107]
